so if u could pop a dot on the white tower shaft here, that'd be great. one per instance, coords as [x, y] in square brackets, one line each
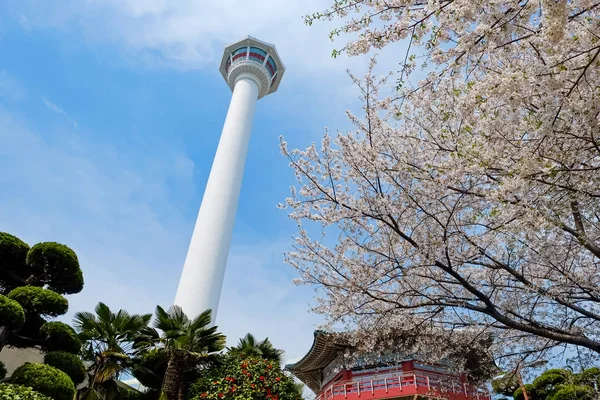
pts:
[202, 277]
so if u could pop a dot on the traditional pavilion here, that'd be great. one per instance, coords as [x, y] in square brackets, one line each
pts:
[322, 369]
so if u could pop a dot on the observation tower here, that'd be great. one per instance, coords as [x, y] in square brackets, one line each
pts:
[252, 69]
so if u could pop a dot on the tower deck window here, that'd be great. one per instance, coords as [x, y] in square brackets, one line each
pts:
[257, 54]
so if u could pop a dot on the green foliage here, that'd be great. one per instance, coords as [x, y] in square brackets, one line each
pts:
[58, 336]
[150, 368]
[17, 392]
[45, 379]
[13, 253]
[2, 370]
[11, 313]
[572, 392]
[545, 384]
[560, 384]
[249, 346]
[108, 338]
[40, 301]
[187, 343]
[518, 395]
[247, 378]
[56, 266]
[589, 377]
[505, 385]
[69, 363]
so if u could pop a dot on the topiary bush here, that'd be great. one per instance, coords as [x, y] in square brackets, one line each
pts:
[60, 267]
[518, 395]
[69, 363]
[572, 392]
[17, 392]
[13, 253]
[506, 384]
[549, 379]
[11, 313]
[40, 301]
[58, 336]
[45, 379]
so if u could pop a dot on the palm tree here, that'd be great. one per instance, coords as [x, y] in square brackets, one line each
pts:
[187, 344]
[108, 339]
[249, 346]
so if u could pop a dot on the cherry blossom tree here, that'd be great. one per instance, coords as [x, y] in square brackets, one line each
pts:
[467, 202]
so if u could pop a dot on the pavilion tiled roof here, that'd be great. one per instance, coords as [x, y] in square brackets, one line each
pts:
[310, 368]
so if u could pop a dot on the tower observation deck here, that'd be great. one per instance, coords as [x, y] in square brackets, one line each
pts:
[252, 69]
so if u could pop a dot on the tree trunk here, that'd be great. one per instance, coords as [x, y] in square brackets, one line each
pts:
[182, 390]
[173, 377]
[4, 335]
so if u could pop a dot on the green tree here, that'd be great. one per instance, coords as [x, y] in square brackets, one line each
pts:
[108, 339]
[248, 378]
[35, 279]
[45, 379]
[249, 346]
[149, 369]
[69, 363]
[558, 384]
[188, 345]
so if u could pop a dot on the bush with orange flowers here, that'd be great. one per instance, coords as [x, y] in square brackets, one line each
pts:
[248, 378]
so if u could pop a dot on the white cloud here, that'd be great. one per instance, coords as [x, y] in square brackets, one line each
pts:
[59, 110]
[191, 34]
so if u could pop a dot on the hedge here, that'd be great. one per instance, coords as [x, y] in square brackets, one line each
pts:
[45, 379]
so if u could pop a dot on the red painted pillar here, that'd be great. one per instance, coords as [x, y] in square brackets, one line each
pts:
[347, 375]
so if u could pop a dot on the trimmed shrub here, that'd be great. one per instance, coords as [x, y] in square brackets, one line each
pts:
[13, 252]
[589, 377]
[69, 363]
[518, 395]
[37, 300]
[11, 313]
[58, 336]
[548, 380]
[60, 266]
[45, 379]
[572, 392]
[505, 385]
[17, 392]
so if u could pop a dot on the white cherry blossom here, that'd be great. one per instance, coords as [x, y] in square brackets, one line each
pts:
[469, 202]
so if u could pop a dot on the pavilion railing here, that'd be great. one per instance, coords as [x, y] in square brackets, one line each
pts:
[418, 382]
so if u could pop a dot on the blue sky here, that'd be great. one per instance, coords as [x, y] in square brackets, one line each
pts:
[110, 114]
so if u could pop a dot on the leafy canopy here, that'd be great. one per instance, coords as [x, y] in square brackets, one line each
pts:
[39, 301]
[250, 378]
[45, 379]
[48, 264]
[69, 363]
[11, 313]
[249, 346]
[58, 336]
